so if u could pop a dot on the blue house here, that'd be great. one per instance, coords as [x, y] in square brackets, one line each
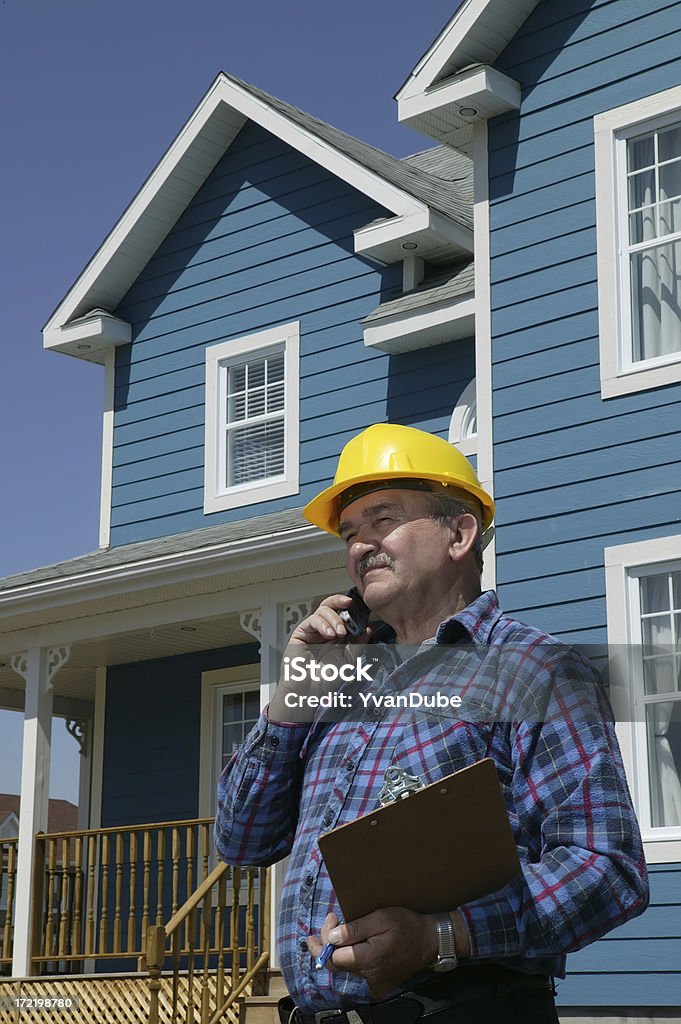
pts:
[274, 287]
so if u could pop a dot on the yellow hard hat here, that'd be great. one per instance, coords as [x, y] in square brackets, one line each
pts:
[388, 452]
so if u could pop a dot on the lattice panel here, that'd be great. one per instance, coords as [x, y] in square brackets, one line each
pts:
[111, 1000]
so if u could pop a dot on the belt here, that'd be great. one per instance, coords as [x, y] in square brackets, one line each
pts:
[439, 994]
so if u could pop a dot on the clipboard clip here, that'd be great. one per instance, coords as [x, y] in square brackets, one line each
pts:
[398, 785]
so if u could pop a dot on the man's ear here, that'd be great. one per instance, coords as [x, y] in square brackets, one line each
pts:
[463, 532]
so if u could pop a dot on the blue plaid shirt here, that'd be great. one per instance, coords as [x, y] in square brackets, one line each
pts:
[583, 870]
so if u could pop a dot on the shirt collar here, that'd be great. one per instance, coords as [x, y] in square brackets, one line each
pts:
[476, 620]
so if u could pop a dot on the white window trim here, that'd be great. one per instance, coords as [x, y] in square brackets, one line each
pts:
[624, 565]
[608, 128]
[287, 335]
[237, 678]
[466, 445]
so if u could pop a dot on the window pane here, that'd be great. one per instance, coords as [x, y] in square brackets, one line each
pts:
[659, 675]
[655, 594]
[236, 408]
[236, 378]
[232, 707]
[669, 215]
[232, 736]
[669, 143]
[275, 368]
[656, 301]
[640, 152]
[256, 403]
[255, 452]
[642, 189]
[275, 398]
[643, 225]
[252, 704]
[663, 723]
[256, 374]
[657, 634]
[670, 180]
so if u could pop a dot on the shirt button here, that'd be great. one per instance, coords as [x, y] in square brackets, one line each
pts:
[303, 945]
[274, 741]
[349, 766]
[327, 819]
[309, 879]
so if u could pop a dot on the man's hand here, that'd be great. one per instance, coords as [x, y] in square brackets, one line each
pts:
[323, 629]
[387, 947]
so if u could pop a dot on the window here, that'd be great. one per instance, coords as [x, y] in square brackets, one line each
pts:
[638, 189]
[643, 586]
[230, 706]
[463, 426]
[252, 419]
[659, 613]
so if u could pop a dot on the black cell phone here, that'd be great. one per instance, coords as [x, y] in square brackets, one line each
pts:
[356, 617]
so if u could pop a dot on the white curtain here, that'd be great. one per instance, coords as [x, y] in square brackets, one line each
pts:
[656, 272]
[661, 677]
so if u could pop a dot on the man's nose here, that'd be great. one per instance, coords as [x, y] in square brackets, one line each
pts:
[363, 543]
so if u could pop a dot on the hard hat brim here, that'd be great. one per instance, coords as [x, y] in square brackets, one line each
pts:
[322, 511]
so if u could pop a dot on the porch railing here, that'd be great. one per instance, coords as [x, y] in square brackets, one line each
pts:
[8, 875]
[97, 891]
[218, 947]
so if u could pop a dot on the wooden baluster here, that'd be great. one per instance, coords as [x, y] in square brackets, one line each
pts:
[190, 848]
[104, 899]
[250, 920]
[265, 910]
[64, 898]
[175, 849]
[145, 888]
[234, 937]
[190, 966]
[118, 892]
[76, 937]
[205, 977]
[220, 940]
[206, 849]
[160, 867]
[9, 913]
[51, 873]
[176, 976]
[132, 934]
[91, 886]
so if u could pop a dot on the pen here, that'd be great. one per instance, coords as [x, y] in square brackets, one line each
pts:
[324, 956]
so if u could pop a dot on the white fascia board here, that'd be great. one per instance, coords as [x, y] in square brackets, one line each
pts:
[485, 89]
[89, 338]
[207, 135]
[419, 323]
[478, 32]
[168, 570]
[430, 230]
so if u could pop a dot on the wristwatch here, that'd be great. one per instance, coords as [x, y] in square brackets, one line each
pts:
[446, 959]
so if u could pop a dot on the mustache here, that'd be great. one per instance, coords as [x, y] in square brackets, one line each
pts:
[381, 561]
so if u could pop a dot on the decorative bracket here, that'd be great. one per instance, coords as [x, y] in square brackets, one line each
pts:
[251, 622]
[78, 728]
[56, 659]
[295, 613]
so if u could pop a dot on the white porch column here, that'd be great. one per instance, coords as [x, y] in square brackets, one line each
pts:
[271, 625]
[38, 666]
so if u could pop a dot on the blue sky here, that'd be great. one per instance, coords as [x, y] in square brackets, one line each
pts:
[93, 93]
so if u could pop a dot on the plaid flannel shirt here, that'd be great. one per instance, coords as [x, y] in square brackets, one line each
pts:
[583, 870]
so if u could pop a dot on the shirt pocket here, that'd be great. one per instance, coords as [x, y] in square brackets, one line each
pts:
[431, 747]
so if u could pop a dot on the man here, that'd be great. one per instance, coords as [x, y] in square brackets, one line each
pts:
[410, 512]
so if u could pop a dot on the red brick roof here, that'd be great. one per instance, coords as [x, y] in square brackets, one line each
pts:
[62, 815]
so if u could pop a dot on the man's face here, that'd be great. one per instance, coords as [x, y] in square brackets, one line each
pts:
[395, 553]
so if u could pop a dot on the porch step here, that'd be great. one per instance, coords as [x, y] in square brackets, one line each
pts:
[258, 1010]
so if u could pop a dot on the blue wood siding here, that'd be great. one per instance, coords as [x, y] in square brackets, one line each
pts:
[152, 734]
[573, 473]
[268, 239]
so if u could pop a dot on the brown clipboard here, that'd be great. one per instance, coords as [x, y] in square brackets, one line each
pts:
[444, 845]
